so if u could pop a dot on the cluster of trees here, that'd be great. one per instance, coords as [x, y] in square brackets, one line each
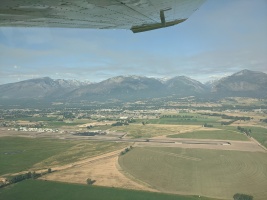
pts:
[68, 115]
[120, 123]
[238, 196]
[244, 130]
[126, 150]
[123, 122]
[236, 117]
[264, 120]
[177, 116]
[207, 125]
[228, 123]
[2, 184]
[144, 123]
[87, 133]
[21, 177]
[90, 181]
[224, 116]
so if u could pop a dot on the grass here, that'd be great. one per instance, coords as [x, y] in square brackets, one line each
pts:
[45, 190]
[57, 124]
[212, 173]
[212, 134]
[18, 154]
[151, 130]
[260, 134]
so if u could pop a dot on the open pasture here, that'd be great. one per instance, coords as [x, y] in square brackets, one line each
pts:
[212, 134]
[18, 153]
[212, 173]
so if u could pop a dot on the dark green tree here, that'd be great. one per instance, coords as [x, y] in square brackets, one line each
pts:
[239, 196]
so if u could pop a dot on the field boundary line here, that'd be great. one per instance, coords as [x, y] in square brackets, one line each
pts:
[259, 144]
[133, 178]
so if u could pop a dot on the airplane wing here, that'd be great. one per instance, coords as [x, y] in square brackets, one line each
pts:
[137, 15]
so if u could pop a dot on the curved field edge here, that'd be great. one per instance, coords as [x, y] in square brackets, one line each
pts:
[210, 173]
[46, 190]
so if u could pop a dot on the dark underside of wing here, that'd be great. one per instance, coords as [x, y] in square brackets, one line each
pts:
[137, 15]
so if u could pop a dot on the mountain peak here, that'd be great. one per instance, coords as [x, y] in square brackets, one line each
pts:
[246, 72]
[243, 83]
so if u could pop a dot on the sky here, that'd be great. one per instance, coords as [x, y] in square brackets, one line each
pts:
[219, 39]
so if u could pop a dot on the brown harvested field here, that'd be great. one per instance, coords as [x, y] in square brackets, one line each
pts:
[104, 169]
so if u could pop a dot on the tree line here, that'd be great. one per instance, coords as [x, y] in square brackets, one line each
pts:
[21, 177]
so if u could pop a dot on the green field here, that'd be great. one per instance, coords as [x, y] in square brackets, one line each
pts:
[212, 134]
[259, 134]
[34, 119]
[45, 190]
[18, 154]
[212, 173]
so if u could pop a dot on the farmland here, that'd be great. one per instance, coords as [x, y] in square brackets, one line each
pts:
[260, 134]
[18, 154]
[32, 189]
[152, 130]
[205, 153]
[212, 134]
[217, 174]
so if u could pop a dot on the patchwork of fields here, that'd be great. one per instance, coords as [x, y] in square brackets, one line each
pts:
[172, 164]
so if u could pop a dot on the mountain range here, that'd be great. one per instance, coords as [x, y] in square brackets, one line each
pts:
[245, 83]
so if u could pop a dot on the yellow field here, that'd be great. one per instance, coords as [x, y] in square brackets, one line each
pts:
[153, 130]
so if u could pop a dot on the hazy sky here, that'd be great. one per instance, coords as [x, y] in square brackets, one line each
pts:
[221, 38]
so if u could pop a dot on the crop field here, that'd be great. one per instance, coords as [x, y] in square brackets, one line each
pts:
[259, 134]
[184, 119]
[46, 190]
[18, 154]
[152, 130]
[212, 134]
[211, 173]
